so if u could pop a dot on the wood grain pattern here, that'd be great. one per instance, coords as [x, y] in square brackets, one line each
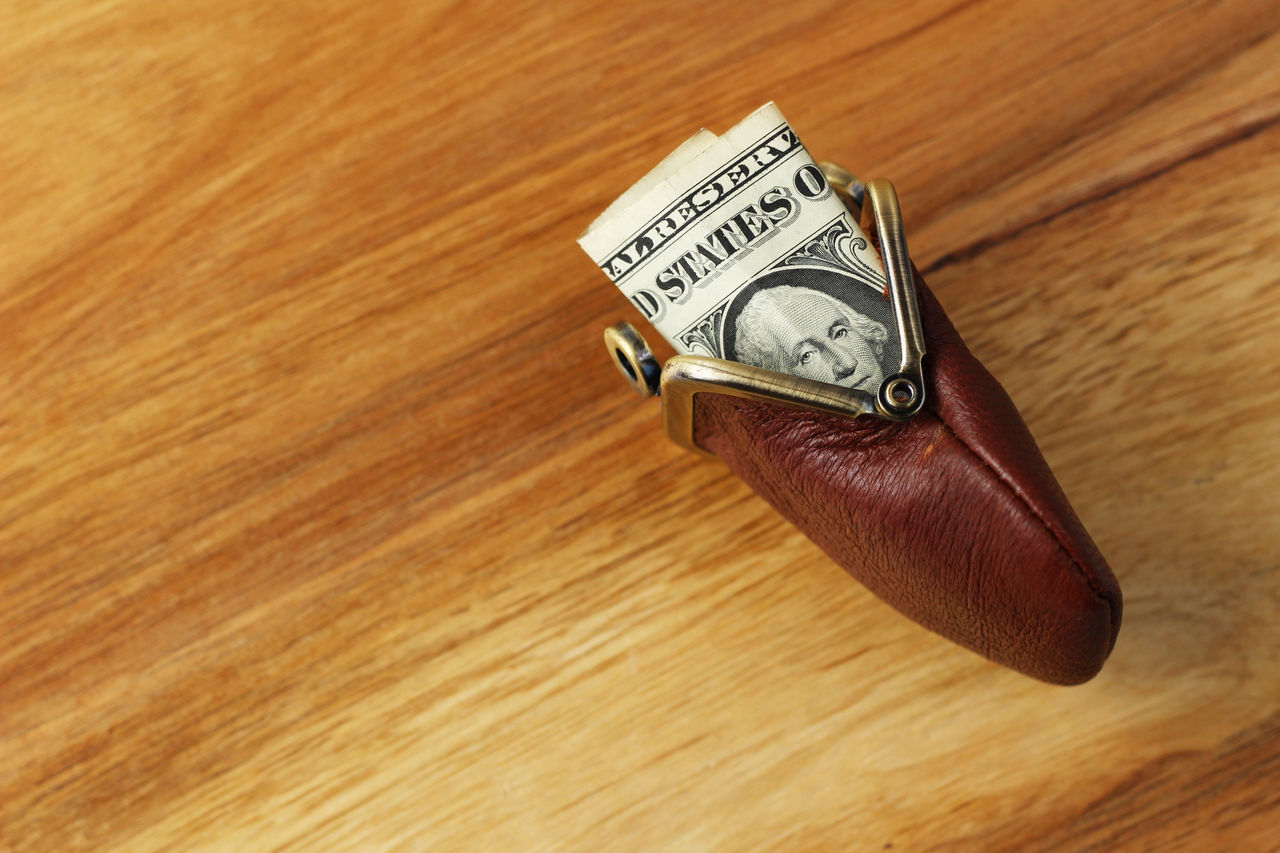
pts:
[326, 524]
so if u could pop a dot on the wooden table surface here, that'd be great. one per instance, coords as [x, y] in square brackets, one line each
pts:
[326, 523]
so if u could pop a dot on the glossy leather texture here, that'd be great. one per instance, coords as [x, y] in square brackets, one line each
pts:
[952, 517]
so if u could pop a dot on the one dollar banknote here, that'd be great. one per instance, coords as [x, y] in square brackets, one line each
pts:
[737, 247]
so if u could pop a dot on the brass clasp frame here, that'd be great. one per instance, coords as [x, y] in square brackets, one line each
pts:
[900, 396]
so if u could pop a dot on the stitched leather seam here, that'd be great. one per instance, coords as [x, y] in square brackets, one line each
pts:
[1089, 580]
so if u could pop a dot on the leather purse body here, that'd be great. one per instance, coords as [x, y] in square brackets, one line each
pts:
[952, 517]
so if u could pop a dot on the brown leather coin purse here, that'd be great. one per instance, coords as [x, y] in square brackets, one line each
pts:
[937, 498]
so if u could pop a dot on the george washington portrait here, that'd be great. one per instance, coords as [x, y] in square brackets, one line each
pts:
[814, 323]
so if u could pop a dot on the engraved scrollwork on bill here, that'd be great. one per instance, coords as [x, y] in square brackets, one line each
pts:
[704, 337]
[835, 247]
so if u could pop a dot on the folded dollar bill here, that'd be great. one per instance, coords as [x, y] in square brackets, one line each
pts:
[737, 247]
